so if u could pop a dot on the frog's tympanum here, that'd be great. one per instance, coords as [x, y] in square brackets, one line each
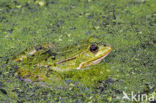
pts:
[38, 63]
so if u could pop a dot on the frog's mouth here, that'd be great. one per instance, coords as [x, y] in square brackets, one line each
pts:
[98, 59]
[95, 60]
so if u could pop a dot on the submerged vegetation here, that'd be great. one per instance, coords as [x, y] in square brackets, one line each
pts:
[128, 25]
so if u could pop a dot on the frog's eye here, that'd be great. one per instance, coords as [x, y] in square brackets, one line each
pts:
[93, 48]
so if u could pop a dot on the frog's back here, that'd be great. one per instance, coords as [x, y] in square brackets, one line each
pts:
[34, 62]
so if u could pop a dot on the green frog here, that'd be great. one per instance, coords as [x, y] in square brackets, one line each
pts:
[39, 63]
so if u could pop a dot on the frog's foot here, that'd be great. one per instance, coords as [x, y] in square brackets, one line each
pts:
[80, 66]
[88, 63]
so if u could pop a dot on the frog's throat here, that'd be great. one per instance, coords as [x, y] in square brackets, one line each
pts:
[95, 61]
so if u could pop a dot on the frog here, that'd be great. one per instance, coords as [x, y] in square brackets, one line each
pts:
[42, 62]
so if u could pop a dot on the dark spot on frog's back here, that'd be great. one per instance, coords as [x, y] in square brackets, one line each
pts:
[38, 48]
[51, 53]
[49, 72]
[3, 91]
[93, 48]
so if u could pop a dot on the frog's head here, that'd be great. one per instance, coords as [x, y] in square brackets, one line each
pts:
[93, 54]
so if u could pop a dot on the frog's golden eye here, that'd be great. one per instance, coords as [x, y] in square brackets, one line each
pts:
[94, 48]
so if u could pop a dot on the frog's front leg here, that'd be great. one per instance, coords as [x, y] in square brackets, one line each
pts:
[82, 65]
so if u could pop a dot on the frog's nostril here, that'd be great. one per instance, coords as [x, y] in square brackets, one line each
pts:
[107, 45]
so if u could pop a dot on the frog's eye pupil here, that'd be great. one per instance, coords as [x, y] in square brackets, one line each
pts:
[93, 48]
